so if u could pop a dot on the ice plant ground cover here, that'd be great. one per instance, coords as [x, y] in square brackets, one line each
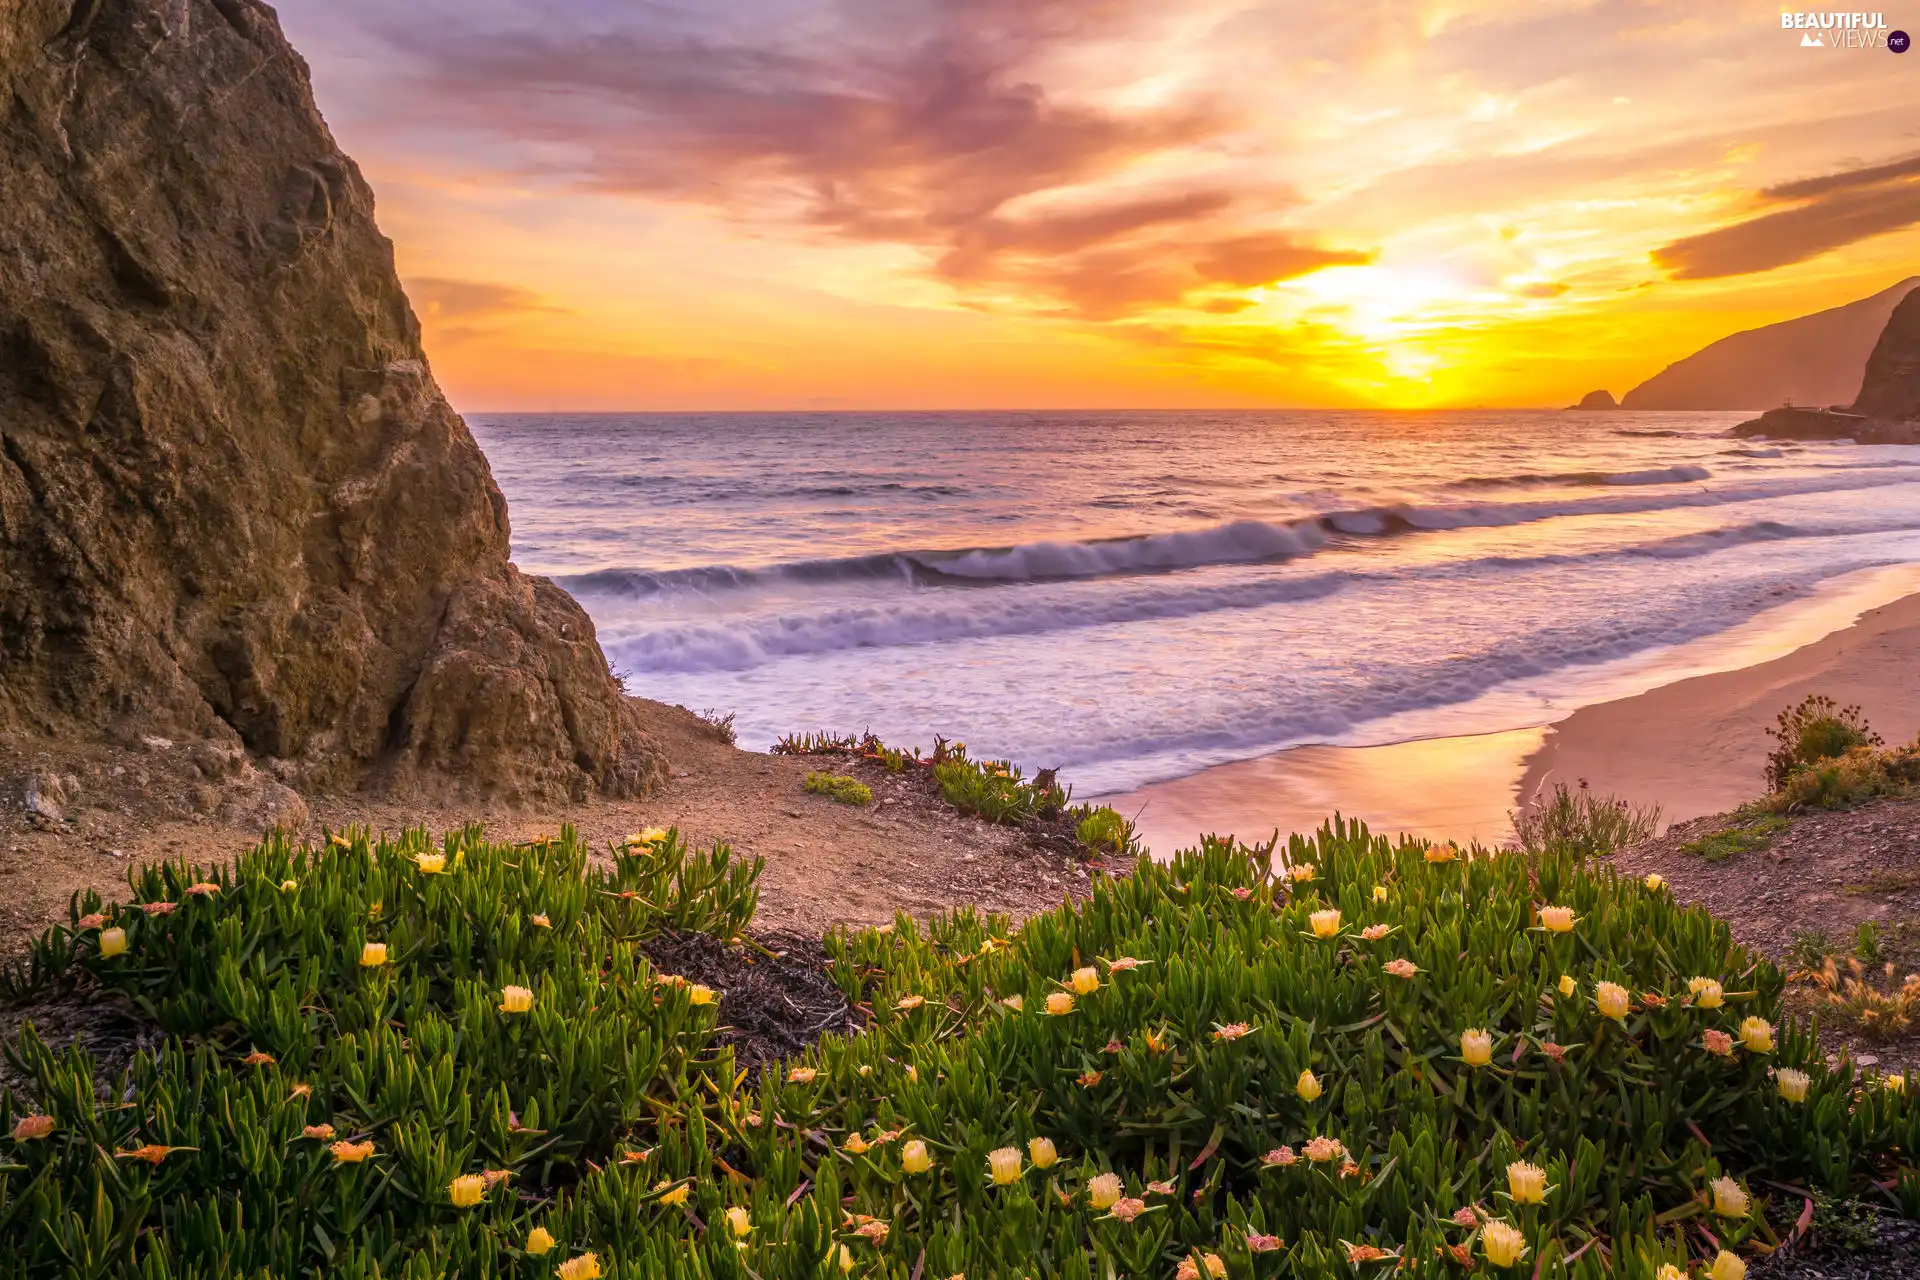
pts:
[1344, 1058]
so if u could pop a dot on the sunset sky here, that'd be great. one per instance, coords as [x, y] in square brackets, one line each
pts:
[836, 204]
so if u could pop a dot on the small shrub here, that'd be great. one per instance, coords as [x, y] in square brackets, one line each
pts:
[1814, 730]
[1809, 950]
[1732, 841]
[1844, 1224]
[1577, 821]
[1835, 783]
[1104, 831]
[722, 725]
[837, 786]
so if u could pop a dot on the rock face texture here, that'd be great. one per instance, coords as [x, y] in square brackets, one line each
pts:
[1814, 360]
[233, 503]
[1892, 387]
[1887, 410]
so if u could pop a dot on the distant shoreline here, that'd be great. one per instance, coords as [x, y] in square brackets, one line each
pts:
[1693, 743]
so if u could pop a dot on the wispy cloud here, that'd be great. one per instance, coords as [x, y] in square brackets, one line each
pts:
[1822, 214]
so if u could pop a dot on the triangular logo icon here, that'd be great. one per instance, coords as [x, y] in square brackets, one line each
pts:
[1812, 41]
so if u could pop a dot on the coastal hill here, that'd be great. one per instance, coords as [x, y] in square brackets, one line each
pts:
[1814, 360]
[235, 509]
[1887, 410]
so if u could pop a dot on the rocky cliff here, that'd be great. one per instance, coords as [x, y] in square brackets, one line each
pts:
[233, 503]
[1887, 410]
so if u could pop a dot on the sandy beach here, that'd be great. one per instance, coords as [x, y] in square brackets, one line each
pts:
[1684, 729]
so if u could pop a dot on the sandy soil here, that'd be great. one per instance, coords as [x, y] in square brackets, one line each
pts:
[826, 862]
[1819, 879]
[1699, 746]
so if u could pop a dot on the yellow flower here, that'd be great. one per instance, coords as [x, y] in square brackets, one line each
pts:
[288, 886]
[1894, 1084]
[1476, 1047]
[1707, 994]
[1042, 1153]
[1613, 999]
[1792, 1084]
[539, 1242]
[1326, 924]
[1059, 1003]
[540, 921]
[515, 1000]
[1556, 919]
[1438, 853]
[1756, 1034]
[801, 1075]
[28, 1128]
[1103, 1190]
[1670, 1272]
[431, 864]
[1729, 1198]
[846, 1260]
[1214, 1267]
[1567, 984]
[914, 1157]
[1301, 873]
[652, 835]
[700, 993]
[906, 1004]
[1004, 1164]
[1015, 1002]
[373, 955]
[675, 1196]
[112, 942]
[1307, 1086]
[739, 1222]
[467, 1190]
[324, 1132]
[1086, 980]
[584, 1267]
[350, 1152]
[857, 1144]
[1727, 1266]
[1654, 881]
[1526, 1183]
[1504, 1244]
[1379, 893]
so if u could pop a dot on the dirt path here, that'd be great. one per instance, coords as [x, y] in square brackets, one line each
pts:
[826, 862]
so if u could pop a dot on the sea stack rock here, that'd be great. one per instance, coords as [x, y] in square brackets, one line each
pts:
[1887, 410]
[233, 503]
[1596, 400]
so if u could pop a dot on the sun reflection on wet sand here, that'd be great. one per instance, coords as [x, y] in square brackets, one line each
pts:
[1445, 788]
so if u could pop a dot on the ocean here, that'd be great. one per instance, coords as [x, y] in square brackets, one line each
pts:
[1133, 597]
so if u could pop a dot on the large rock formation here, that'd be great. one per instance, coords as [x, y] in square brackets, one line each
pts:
[1596, 400]
[1887, 410]
[1814, 360]
[233, 503]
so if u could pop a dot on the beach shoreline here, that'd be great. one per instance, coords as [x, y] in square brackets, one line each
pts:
[1684, 729]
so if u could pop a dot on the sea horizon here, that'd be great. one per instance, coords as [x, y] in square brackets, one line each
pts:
[1132, 604]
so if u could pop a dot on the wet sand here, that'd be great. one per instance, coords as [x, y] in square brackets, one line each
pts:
[1684, 728]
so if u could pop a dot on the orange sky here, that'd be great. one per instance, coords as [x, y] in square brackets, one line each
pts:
[810, 204]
